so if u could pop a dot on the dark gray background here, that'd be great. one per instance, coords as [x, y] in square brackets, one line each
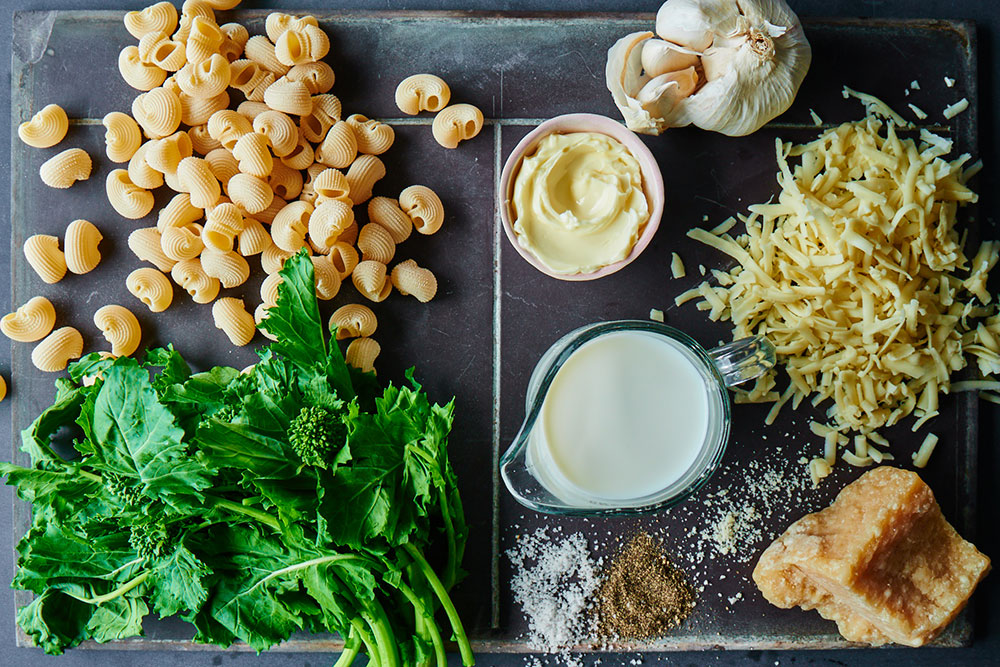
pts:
[987, 603]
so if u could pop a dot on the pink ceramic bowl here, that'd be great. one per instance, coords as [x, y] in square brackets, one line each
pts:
[652, 184]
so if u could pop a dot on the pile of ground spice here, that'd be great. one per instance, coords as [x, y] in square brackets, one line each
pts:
[642, 594]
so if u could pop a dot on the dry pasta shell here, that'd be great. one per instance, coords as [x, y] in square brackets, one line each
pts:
[246, 75]
[32, 321]
[158, 112]
[44, 256]
[277, 23]
[300, 157]
[269, 289]
[327, 278]
[230, 268]
[139, 171]
[327, 107]
[279, 129]
[253, 155]
[198, 110]
[201, 141]
[151, 287]
[147, 244]
[205, 79]
[232, 318]
[267, 215]
[456, 123]
[375, 242]
[254, 239]
[371, 281]
[158, 49]
[120, 328]
[164, 155]
[257, 94]
[128, 199]
[122, 136]
[349, 235]
[362, 176]
[224, 166]
[190, 275]
[222, 225]
[227, 126]
[55, 351]
[331, 184]
[64, 169]
[289, 96]
[353, 320]
[139, 75]
[302, 45]
[344, 258]
[272, 259]
[204, 39]
[259, 314]
[46, 128]
[82, 240]
[422, 92]
[195, 177]
[412, 280]
[236, 36]
[318, 76]
[161, 17]
[285, 181]
[223, 6]
[386, 212]
[290, 226]
[178, 212]
[314, 126]
[252, 109]
[180, 243]
[328, 221]
[260, 50]
[361, 353]
[372, 136]
[424, 208]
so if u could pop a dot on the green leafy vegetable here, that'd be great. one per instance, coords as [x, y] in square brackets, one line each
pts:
[297, 496]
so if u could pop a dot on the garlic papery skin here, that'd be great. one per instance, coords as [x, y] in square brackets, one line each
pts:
[750, 57]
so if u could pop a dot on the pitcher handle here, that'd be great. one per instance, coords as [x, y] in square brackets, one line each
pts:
[743, 360]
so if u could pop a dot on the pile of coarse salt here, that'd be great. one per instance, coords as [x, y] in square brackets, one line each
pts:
[554, 581]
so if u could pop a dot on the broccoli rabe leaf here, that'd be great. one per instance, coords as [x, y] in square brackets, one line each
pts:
[55, 621]
[295, 321]
[117, 619]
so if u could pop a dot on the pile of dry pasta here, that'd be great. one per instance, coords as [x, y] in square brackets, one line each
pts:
[857, 274]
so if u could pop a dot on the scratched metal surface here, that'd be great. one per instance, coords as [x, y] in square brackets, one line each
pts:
[494, 314]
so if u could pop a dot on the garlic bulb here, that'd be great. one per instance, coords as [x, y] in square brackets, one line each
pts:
[724, 65]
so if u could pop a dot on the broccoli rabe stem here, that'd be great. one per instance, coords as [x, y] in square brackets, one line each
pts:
[385, 640]
[449, 607]
[117, 593]
[358, 626]
[352, 646]
[427, 623]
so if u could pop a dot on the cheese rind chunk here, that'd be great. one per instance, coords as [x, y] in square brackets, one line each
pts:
[881, 561]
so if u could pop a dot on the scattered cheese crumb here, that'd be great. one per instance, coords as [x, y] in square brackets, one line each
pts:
[915, 85]
[676, 266]
[954, 109]
[923, 455]
[704, 218]
[948, 81]
[701, 269]
[817, 121]
[656, 314]
[917, 111]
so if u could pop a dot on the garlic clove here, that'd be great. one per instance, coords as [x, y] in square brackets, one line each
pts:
[692, 23]
[662, 94]
[624, 78]
[660, 57]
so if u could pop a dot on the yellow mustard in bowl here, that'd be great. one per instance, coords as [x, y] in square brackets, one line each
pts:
[578, 202]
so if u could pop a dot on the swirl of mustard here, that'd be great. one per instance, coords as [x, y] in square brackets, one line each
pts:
[578, 202]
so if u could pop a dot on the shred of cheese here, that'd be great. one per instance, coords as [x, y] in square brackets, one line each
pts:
[676, 266]
[917, 111]
[958, 107]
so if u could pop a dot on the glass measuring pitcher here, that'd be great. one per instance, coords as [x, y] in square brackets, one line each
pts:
[531, 468]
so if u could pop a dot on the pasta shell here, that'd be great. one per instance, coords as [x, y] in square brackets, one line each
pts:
[344, 258]
[178, 212]
[151, 287]
[353, 320]
[361, 353]
[302, 45]
[330, 218]
[254, 239]
[64, 169]
[267, 215]
[386, 212]
[289, 96]
[260, 50]
[122, 136]
[232, 317]
[204, 40]
[198, 110]
[157, 48]
[456, 123]
[277, 23]
[257, 94]
[300, 157]
[246, 75]
[314, 127]
[279, 129]
[55, 351]
[236, 37]
[373, 137]
[227, 126]
[272, 259]
[82, 240]
[32, 321]
[285, 181]
[120, 328]
[410, 279]
[128, 199]
[229, 267]
[180, 243]
[317, 76]
[349, 235]
[269, 289]
[327, 278]
[376, 243]
[46, 128]
[224, 166]
[190, 275]
[139, 75]
[147, 244]
[194, 176]
[158, 112]
[422, 92]
[222, 226]
[259, 314]
[164, 155]
[161, 17]
[288, 231]
[222, 6]
[139, 171]
[331, 184]
[424, 208]
[339, 147]
[253, 155]
[371, 281]
[44, 256]
[362, 176]
[252, 109]
[3, 388]
[201, 141]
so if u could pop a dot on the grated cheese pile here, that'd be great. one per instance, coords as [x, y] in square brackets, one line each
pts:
[857, 274]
